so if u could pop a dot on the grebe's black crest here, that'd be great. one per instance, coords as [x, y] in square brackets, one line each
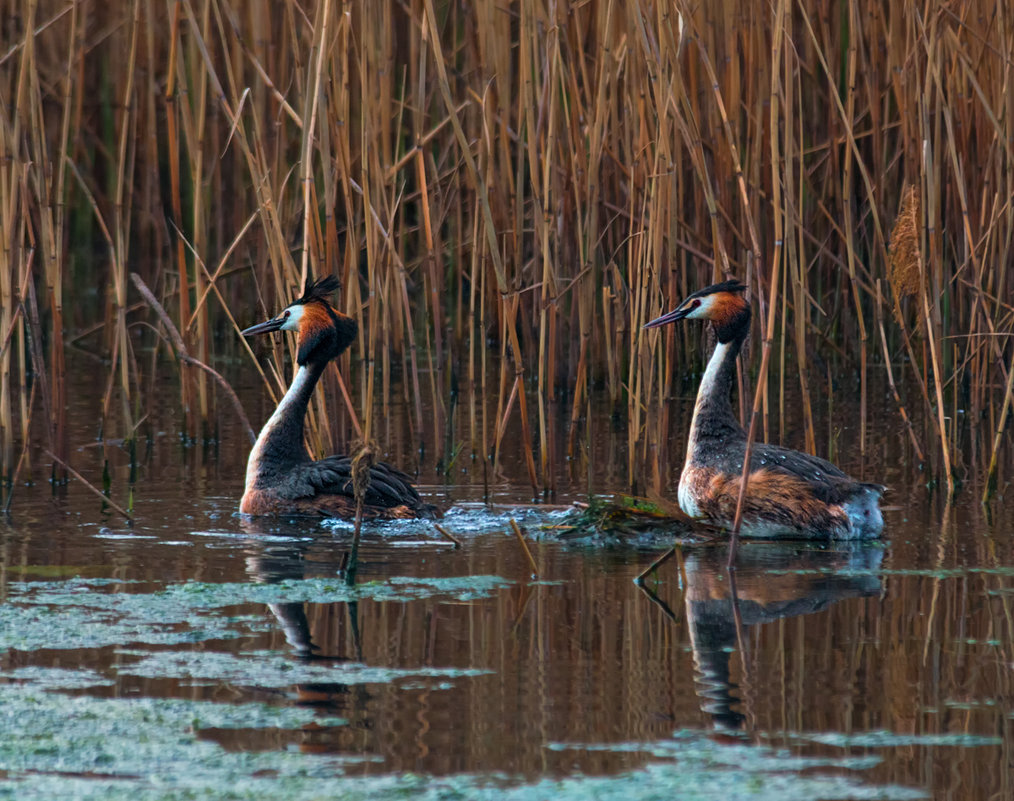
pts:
[320, 289]
[732, 285]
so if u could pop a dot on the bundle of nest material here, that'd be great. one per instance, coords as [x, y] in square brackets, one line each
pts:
[626, 520]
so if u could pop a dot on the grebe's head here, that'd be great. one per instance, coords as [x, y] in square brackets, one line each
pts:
[723, 304]
[322, 332]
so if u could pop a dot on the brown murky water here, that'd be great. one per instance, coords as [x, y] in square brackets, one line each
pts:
[883, 670]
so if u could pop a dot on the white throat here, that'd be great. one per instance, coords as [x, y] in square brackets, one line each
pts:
[706, 389]
[299, 381]
[711, 372]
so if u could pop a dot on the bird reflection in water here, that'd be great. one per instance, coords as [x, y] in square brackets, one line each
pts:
[772, 581]
[271, 562]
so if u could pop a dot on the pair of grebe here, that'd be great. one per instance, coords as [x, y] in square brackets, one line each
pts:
[789, 494]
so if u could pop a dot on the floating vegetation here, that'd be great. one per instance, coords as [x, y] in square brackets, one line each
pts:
[142, 749]
[56, 678]
[274, 669]
[59, 746]
[623, 520]
[65, 623]
[77, 614]
[887, 739]
[694, 746]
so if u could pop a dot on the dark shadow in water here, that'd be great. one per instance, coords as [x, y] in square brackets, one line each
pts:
[772, 581]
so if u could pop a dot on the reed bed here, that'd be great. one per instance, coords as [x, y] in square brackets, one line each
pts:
[508, 191]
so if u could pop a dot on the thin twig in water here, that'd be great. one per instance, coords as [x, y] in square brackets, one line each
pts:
[653, 597]
[362, 465]
[656, 564]
[447, 535]
[524, 547]
[90, 486]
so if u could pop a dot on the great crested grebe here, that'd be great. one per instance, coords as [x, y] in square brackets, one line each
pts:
[281, 477]
[789, 494]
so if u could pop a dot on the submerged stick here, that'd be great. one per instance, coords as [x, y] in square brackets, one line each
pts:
[655, 565]
[662, 605]
[524, 547]
[90, 486]
[447, 535]
[362, 464]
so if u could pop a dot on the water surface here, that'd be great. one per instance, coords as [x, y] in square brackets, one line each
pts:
[200, 654]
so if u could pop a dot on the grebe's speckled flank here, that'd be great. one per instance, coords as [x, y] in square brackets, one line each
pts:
[281, 477]
[789, 494]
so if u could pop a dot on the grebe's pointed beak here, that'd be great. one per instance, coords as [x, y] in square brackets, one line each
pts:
[669, 317]
[266, 327]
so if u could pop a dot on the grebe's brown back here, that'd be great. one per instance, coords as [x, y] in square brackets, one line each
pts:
[281, 477]
[789, 494]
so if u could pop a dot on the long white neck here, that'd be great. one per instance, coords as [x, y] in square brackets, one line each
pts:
[713, 417]
[279, 446]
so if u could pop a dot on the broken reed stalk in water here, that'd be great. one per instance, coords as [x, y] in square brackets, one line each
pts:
[769, 327]
[656, 565]
[105, 498]
[362, 464]
[524, 547]
[447, 535]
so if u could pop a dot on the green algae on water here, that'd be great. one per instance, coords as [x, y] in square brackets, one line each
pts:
[888, 739]
[273, 669]
[81, 613]
[56, 746]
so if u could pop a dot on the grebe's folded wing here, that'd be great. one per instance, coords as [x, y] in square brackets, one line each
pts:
[333, 476]
[829, 482]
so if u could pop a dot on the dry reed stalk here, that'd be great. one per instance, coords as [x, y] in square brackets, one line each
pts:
[849, 116]
[794, 250]
[180, 348]
[447, 535]
[781, 16]
[524, 547]
[1008, 400]
[122, 191]
[907, 277]
[890, 375]
[9, 486]
[938, 387]
[34, 334]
